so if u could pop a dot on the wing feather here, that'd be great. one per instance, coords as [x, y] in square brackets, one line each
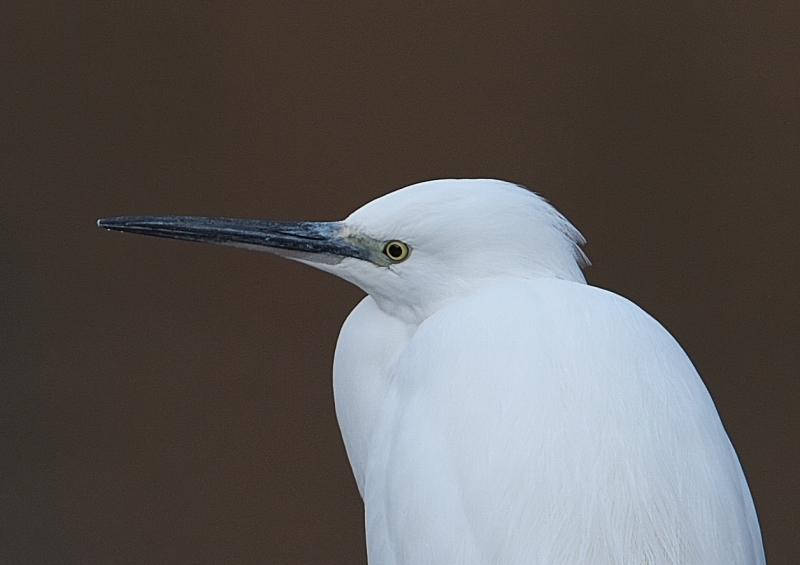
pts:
[550, 422]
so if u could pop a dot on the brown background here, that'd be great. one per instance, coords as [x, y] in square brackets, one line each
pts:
[170, 403]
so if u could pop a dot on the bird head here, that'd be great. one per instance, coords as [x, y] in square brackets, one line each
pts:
[414, 250]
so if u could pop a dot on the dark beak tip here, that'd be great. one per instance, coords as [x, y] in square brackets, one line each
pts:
[116, 222]
[105, 222]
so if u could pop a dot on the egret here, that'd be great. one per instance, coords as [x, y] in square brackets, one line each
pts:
[494, 407]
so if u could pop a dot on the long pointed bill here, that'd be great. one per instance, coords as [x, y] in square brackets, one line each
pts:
[322, 242]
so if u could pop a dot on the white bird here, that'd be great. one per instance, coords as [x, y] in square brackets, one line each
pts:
[495, 408]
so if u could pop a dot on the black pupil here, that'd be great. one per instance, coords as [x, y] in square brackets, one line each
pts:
[395, 251]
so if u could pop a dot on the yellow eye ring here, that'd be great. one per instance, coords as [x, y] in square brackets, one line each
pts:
[397, 251]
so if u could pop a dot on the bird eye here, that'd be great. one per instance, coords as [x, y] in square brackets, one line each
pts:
[397, 251]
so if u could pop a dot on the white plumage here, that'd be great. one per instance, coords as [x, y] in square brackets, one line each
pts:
[498, 410]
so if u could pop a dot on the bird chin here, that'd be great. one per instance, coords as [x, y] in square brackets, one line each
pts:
[302, 256]
[312, 259]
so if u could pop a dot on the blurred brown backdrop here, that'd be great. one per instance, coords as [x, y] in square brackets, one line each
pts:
[170, 403]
